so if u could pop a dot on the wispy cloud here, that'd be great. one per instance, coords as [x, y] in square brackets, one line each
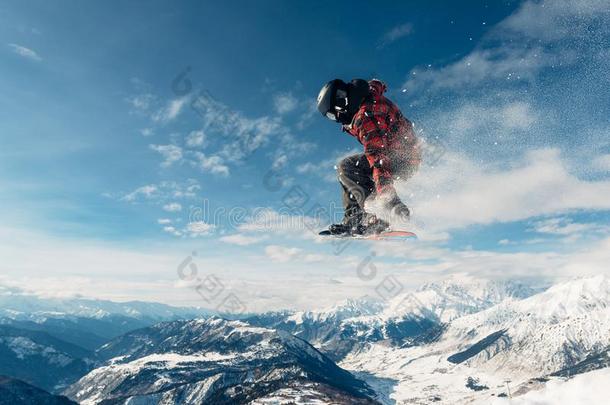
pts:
[25, 52]
[162, 191]
[565, 226]
[506, 63]
[195, 139]
[242, 135]
[460, 192]
[282, 254]
[170, 153]
[171, 110]
[213, 164]
[284, 103]
[396, 33]
[327, 168]
[241, 239]
[539, 35]
[551, 21]
[173, 207]
[602, 163]
[141, 103]
[172, 230]
[147, 191]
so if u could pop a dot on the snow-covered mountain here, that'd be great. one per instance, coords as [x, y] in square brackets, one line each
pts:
[411, 318]
[524, 341]
[88, 323]
[460, 340]
[213, 361]
[541, 334]
[455, 296]
[41, 359]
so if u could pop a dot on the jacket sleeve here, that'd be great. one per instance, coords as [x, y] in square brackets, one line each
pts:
[375, 141]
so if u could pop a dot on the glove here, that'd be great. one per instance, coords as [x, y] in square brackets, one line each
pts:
[398, 209]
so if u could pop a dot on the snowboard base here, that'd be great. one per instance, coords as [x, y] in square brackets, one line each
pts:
[387, 235]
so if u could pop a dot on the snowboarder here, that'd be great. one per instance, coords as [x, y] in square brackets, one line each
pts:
[391, 152]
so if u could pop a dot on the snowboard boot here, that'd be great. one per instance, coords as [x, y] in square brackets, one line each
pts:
[341, 229]
[374, 226]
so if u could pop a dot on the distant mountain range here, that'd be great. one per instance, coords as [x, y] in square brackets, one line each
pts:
[13, 391]
[88, 323]
[459, 340]
[412, 318]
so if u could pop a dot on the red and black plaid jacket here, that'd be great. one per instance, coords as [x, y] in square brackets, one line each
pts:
[389, 141]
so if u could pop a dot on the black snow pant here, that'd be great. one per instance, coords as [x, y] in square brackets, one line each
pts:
[356, 178]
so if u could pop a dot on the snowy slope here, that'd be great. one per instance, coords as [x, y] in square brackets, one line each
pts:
[41, 359]
[516, 340]
[590, 389]
[210, 361]
[409, 319]
[457, 295]
[543, 333]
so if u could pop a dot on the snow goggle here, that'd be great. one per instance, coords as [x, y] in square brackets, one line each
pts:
[340, 106]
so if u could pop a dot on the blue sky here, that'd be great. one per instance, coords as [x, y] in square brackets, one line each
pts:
[108, 167]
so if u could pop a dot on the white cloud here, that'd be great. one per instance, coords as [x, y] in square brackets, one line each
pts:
[195, 139]
[460, 192]
[199, 228]
[271, 221]
[241, 239]
[163, 191]
[142, 102]
[147, 132]
[518, 115]
[554, 20]
[538, 35]
[263, 283]
[481, 66]
[310, 112]
[188, 191]
[147, 191]
[602, 162]
[25, 52]
[213, 164]
[172, 207]
[280, 162]
[243, 135]
[171, 110]
[396, 33]
[164, 221]
[170, 153]
[284, 103]
[565, 227]
[172, 230]
[281, 254]
[327, 168]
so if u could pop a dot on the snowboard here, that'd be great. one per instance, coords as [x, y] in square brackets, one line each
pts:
[387, 235]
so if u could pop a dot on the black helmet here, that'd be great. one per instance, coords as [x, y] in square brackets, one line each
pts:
[339, 101]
